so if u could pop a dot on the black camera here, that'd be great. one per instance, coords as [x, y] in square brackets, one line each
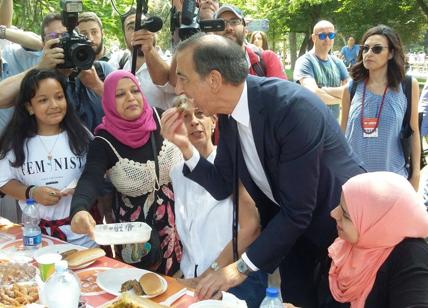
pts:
[187, 22]
[78, 52]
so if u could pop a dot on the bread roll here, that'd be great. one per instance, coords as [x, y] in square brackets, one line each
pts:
[82, 257]
[151, 284]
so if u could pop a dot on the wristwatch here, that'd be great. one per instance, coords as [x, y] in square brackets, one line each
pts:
[215, 267]
[243, 267]
[2, 32]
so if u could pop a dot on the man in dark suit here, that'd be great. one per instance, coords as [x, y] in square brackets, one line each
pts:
[290, 156]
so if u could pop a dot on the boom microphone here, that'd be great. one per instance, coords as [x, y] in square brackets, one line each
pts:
[152, 24]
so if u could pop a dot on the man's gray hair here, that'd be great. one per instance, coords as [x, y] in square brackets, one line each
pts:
[214, 52]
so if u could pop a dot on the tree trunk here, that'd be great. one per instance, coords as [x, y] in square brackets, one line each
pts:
[305, 44]
[423, 6]
[293, 49]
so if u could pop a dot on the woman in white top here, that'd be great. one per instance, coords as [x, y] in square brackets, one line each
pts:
[43, 151]
[204, 224]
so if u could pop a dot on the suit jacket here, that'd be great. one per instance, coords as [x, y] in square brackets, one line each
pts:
[306, 160]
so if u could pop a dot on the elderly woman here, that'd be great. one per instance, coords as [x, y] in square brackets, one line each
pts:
[129, 147]
[380, 258]
[204, 224]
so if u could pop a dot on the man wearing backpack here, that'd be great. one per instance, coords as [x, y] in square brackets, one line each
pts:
[152, 68]
[261, 62]
[320, 72]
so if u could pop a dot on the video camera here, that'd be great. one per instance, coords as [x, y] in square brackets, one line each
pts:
[78, 52]
[187, 22]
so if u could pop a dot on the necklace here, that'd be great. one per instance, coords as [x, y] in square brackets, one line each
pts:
[46, 149]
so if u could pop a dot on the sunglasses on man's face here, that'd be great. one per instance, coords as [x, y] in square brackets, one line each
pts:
[376, 49]
[323, 35]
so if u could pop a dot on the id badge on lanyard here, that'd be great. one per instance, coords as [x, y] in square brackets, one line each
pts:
[370, 127]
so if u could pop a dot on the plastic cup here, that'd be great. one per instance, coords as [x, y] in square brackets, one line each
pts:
[46, 264]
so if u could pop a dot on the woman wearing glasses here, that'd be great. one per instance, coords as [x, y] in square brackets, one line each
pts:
[372, 118]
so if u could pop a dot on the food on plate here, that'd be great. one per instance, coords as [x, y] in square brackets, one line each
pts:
[132, 285]
[181, 103]
[16, 272]
[151, 284]
[127, 300]
[82, 257]
[18, 295]
[68, 253]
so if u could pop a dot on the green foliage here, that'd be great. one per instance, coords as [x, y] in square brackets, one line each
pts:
[351, 17]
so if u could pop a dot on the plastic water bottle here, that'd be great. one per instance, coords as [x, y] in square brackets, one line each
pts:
[32, 236]
[62, 289]
[272, 299]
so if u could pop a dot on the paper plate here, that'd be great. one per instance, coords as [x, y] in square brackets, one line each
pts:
[111, 280]
[56, 249]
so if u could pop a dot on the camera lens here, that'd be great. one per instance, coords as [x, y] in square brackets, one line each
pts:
[82, 56]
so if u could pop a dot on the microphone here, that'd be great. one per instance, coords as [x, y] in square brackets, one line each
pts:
[188, 12]
[152, 24]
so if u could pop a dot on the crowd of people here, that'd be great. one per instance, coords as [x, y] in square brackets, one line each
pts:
[255, 173]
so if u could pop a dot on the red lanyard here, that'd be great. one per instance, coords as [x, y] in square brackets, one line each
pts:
[378, 112]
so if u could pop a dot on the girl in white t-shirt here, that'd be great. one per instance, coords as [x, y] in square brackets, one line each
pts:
[43, 152]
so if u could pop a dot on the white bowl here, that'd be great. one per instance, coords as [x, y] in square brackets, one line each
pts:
[122, 233]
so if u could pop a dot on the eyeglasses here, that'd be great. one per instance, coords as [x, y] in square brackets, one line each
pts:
[233, 22]
[53, 35]
[376, 49]
[323, 35]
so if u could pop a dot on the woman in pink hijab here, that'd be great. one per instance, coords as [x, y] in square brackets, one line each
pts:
[380, 258]
[129, 148]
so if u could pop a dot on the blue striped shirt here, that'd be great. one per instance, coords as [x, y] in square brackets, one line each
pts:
[383, 153]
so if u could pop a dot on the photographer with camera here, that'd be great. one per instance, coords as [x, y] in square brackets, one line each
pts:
[152, 70]
[68, 55]
[91, 26]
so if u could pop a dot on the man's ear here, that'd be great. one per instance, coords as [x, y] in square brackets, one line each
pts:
[313, 38]
[215, 80]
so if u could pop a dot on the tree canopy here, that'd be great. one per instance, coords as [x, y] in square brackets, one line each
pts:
[408, 17]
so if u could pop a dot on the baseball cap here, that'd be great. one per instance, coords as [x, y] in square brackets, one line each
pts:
[229, 8]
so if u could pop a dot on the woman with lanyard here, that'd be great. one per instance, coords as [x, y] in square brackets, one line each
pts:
[373, 118]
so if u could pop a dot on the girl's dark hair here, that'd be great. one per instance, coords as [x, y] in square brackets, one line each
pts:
[23, 126]
[396, 72]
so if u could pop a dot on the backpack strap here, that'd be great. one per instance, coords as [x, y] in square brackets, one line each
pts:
[123, 60]
[407, 89]
[100, 70]
[259, 67]
[353, 89]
